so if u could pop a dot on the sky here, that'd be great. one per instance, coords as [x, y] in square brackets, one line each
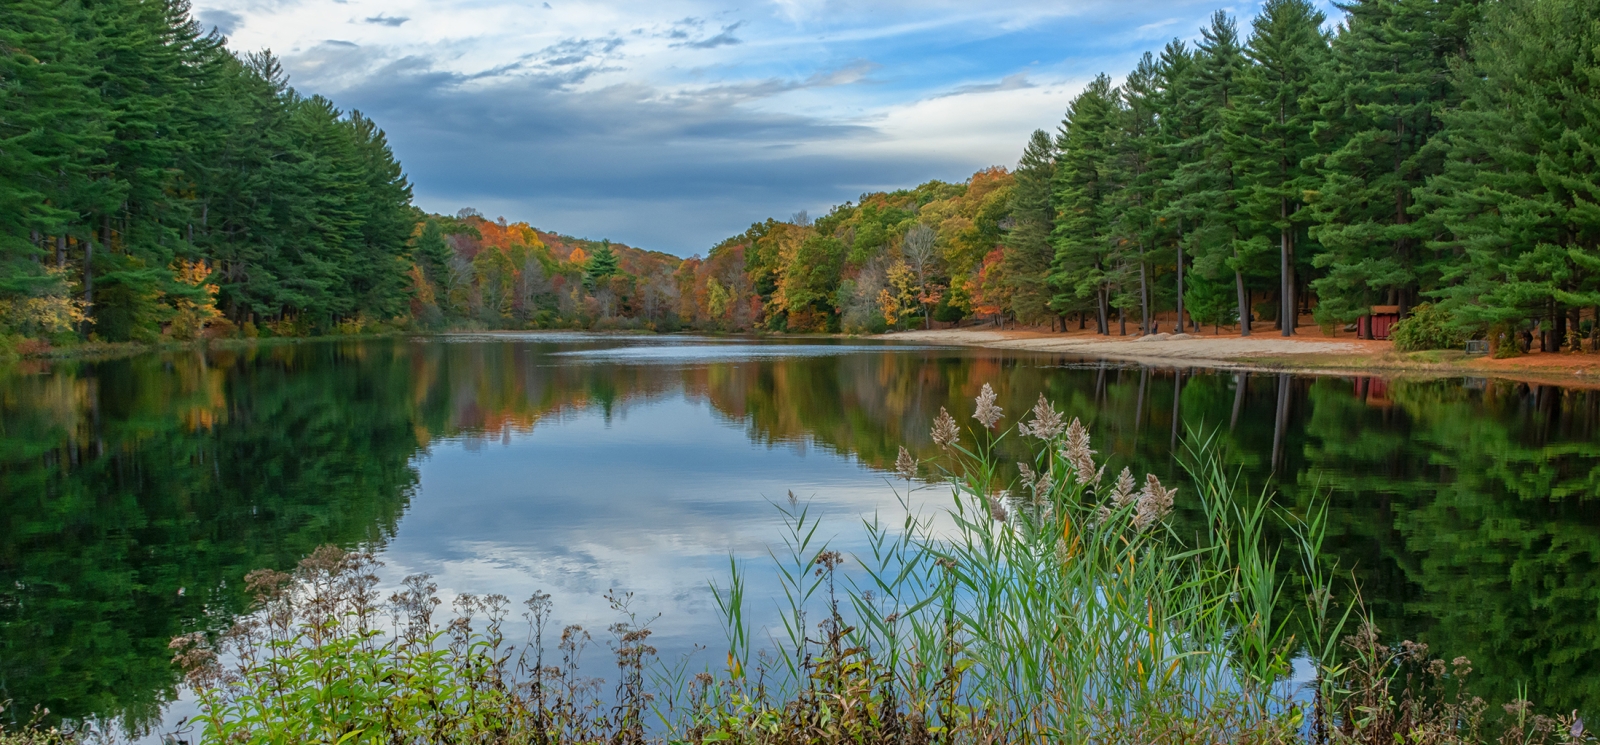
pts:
[673, 124]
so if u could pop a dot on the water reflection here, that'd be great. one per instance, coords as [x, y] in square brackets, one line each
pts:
[138, 492]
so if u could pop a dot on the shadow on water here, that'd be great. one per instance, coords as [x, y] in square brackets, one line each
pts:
[138, 492]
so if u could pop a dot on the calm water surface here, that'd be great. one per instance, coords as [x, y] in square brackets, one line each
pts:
[135, 494]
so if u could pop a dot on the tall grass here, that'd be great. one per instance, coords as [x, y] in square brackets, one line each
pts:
[1061, 605]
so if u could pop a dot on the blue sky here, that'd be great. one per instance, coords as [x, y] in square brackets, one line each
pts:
[673, 124]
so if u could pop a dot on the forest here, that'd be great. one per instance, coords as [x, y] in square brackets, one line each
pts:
[154, 183]
[1435, 156]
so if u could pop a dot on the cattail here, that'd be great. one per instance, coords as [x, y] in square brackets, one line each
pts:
[1155, 503]
[945, 432]
[1123, 493]
[1075, 448]
[987, 413]
[1046, 424]
[905, 465]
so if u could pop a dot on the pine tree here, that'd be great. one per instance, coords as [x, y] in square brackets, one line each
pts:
[1028, 250]
[1519, 195]
[602, 263]
[50, 122]
[1137, 181]
[1288, 49]
[1081, 268]
[1382, 102]
[1209, 182]
[1179, 117]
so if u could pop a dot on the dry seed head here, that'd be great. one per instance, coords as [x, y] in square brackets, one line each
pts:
[1123, 494]
[997, 510]
[905, 465]
[945, 432]
[1028, 476]
[987, 413]
[1046, 424]
[1042, 487]
[1155, 503]
[1075, 449]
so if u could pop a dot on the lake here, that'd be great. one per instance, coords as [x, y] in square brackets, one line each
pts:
[138, 492]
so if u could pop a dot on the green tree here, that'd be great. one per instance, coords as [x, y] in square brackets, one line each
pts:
[1209, 181]
[1138, 150]
[1383, 101]
[1288, 50]
[602, 264]
[1179, 117]
[1520, 190]
[1083, 190]
[1028, 250]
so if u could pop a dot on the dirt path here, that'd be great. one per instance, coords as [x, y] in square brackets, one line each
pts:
[1309, 352]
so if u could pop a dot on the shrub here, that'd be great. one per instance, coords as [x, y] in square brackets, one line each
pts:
[1428, 327]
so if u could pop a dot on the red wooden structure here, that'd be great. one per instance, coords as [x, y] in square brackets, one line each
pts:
[1379, 321]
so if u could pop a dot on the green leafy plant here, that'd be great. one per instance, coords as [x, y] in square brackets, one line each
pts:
[1427, 327]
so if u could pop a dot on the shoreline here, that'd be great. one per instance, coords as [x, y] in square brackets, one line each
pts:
[1266, 351]
[1308, 353]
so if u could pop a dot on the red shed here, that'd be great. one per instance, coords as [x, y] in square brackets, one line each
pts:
[1377, 324]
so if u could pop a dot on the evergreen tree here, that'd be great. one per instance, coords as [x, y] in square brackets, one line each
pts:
[51, 128]
[1179, 118]
[1028, 250]
[602, 263]
[1383, 99]
[1518, 197]
[1288, 49]
[1133, 207]
[1081, 270]
[1209, 182]
[137, 155]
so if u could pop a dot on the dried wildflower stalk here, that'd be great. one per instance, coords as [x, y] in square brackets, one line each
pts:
[1075, 449]
[987, 413]
[905, 466]
[1155, 503]
[945, 433]
[1047, 423]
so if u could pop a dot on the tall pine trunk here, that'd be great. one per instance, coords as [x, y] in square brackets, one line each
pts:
[1103, 311]
[1244, 303]
[1144, 295]
[88, 273]
[1180, 326]
[1290, 313]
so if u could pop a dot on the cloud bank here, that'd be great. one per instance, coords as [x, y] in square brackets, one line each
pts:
[672, 125]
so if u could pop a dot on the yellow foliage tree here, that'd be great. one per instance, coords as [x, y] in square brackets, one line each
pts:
[194, 311]
[903, 295]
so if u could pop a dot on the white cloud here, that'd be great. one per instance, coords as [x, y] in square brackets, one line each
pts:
[680, 122]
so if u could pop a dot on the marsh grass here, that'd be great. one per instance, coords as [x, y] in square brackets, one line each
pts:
[1058, 606]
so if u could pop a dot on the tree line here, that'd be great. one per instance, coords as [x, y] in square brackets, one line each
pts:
[1420, 152]
[1435, 156]
[152, 181]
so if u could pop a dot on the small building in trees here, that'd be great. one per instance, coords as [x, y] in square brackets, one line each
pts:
[1378, 323]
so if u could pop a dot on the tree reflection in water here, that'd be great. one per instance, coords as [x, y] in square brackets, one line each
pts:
[138, 492]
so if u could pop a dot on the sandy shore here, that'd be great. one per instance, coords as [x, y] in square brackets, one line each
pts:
[1155, 347]
[1308, 352]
